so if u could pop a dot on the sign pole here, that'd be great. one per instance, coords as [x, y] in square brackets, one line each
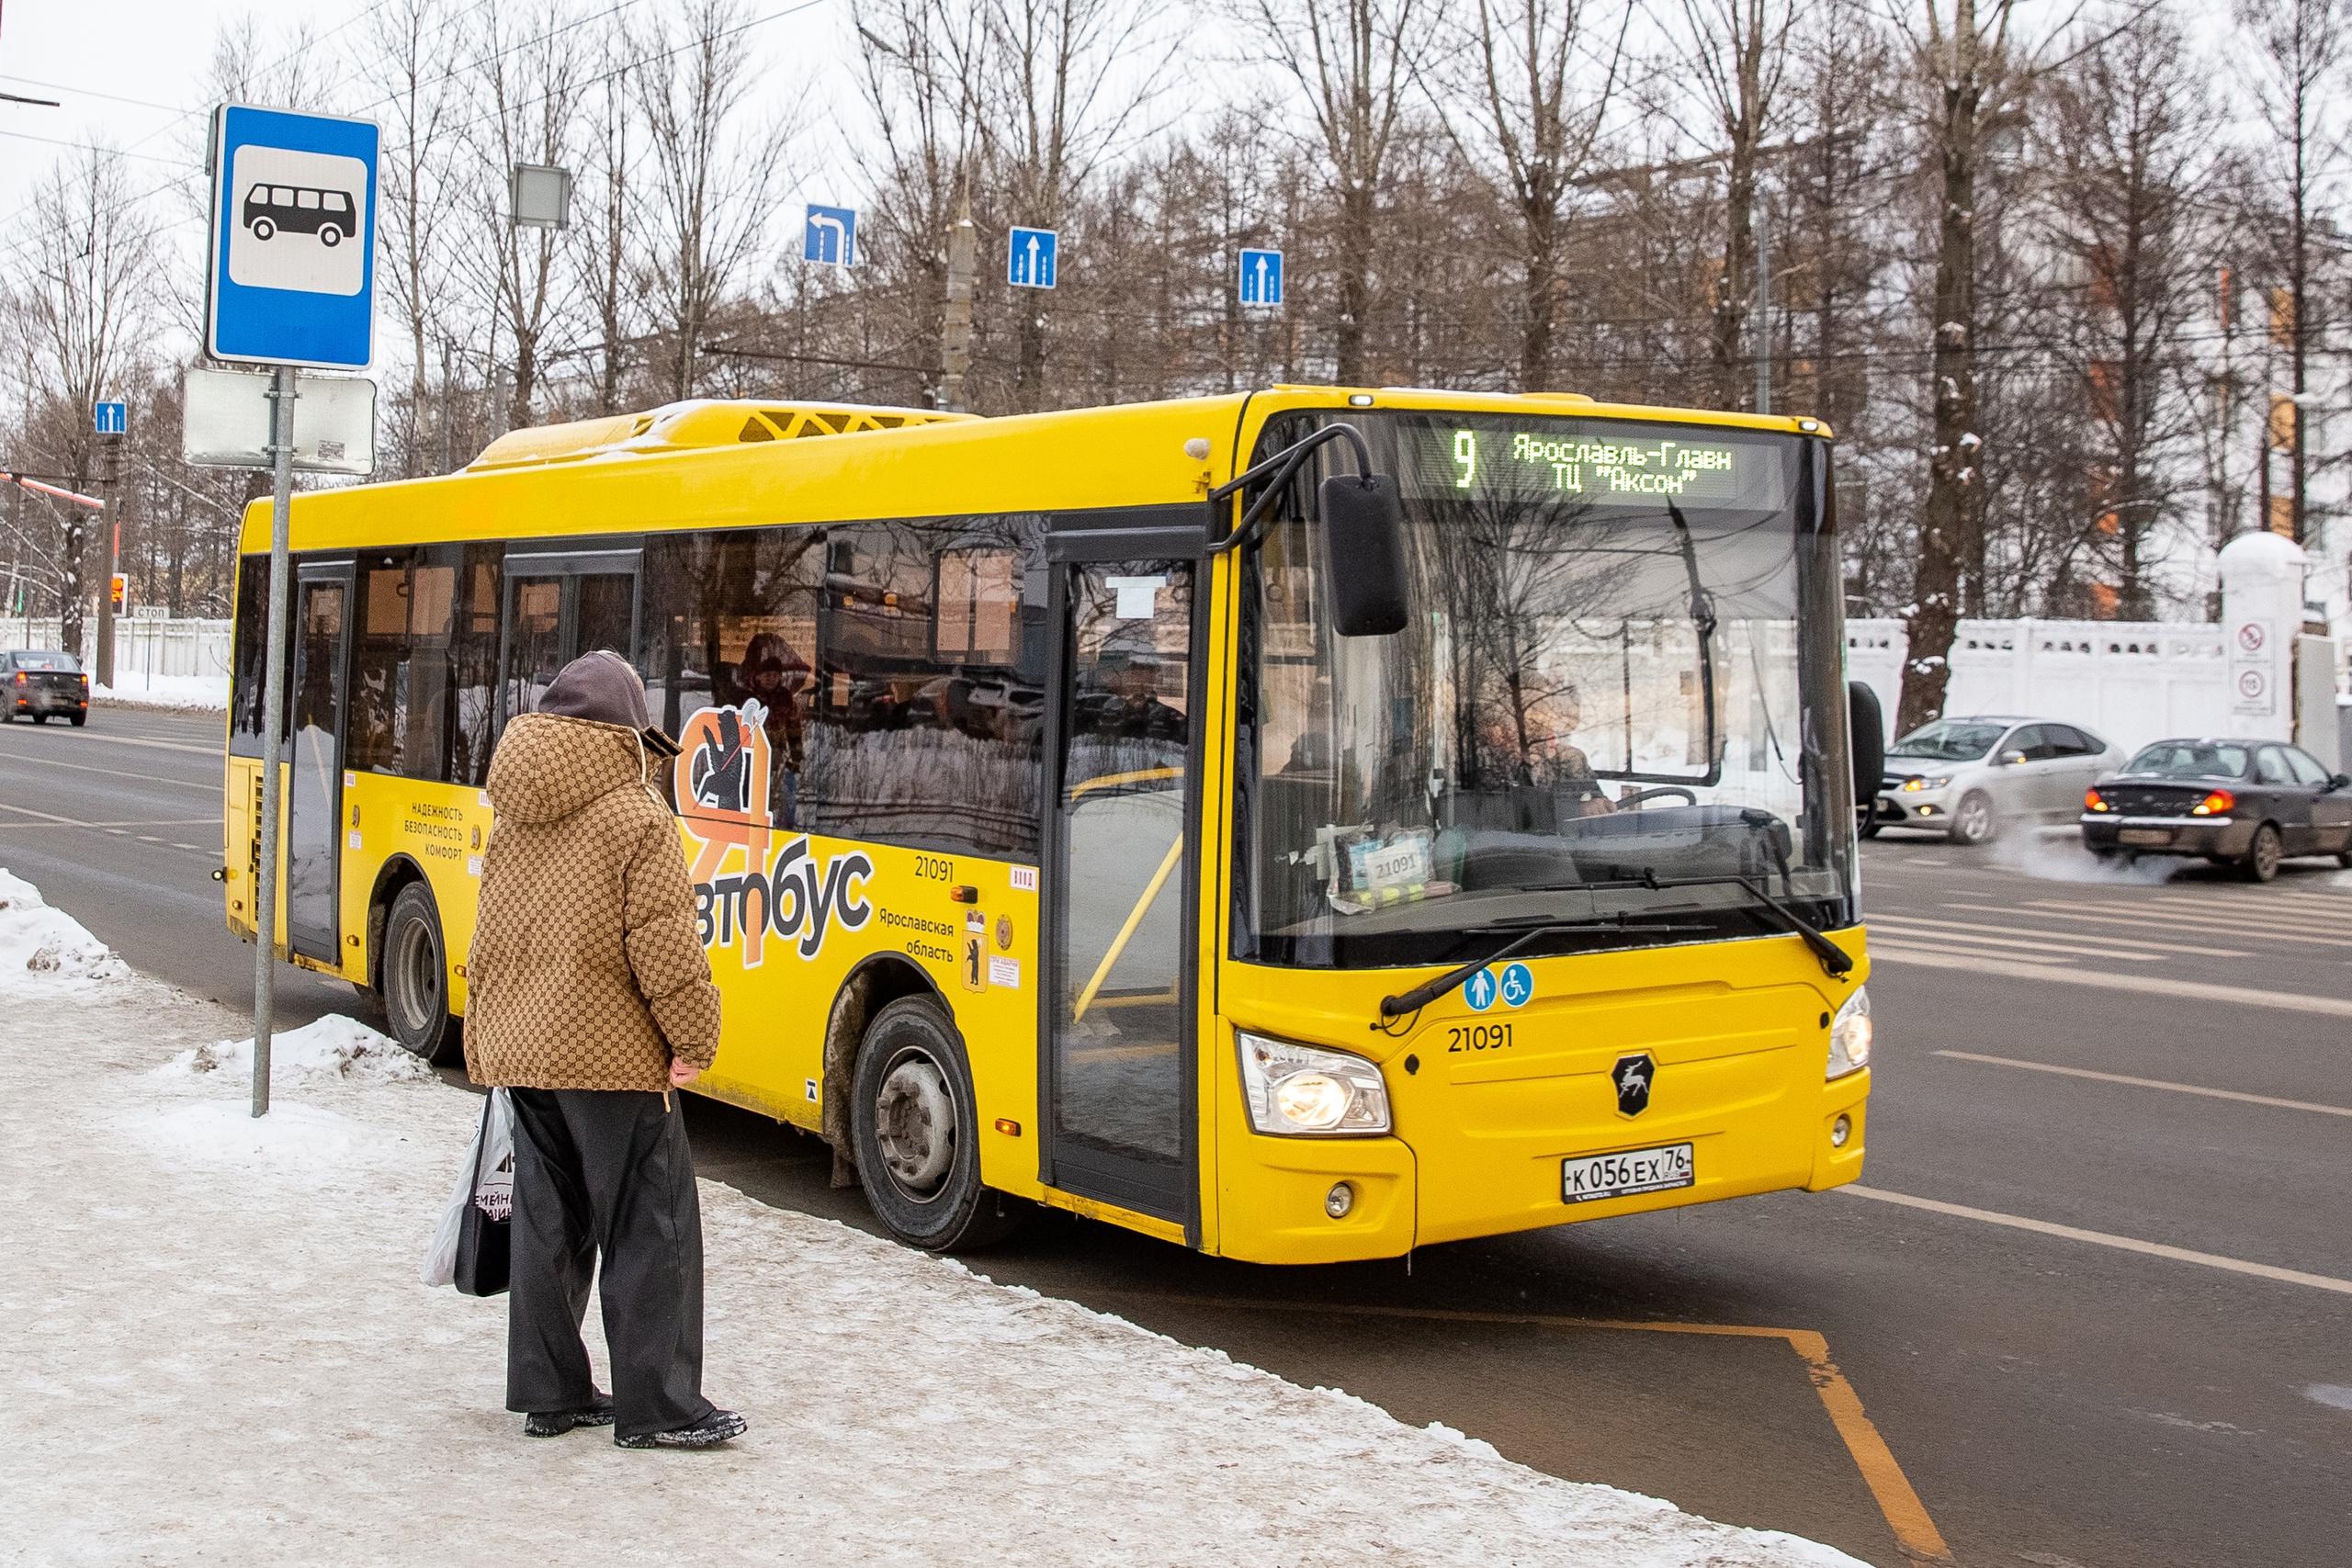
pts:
[273, 724]
[109, 482]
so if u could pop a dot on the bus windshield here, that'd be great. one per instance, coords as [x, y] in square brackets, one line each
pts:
[1623, 670]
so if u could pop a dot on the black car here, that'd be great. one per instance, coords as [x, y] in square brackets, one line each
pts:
[36, 684]
[2244, 803]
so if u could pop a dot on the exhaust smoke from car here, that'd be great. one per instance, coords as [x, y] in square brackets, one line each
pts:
[2056, 854]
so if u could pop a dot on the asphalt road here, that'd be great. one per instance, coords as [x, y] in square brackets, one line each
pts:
[2121, 1337]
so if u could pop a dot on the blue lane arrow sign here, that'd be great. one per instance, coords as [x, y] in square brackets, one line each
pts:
[110, 417]
[831, 235]
[1029, 260]
[1262, 277]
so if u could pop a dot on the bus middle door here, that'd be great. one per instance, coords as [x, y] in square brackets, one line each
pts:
[314, 752]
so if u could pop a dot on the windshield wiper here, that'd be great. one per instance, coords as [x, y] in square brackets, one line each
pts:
[1835, 961]
[1422, 995]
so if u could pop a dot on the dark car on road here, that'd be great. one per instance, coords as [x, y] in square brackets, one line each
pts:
[2250, 804]
[36, 684]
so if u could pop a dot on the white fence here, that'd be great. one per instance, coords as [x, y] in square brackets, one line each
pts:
[2130, 681]
[144, 651]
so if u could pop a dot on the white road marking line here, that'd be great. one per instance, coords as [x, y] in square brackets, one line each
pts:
[38, 816]
[2102, 1238]
[211, 789]
[2148, 1083]
[2159, 922]
[1888, 947]
[86, 738]
[2117, 947]
[2141, 981]
[1938, 931]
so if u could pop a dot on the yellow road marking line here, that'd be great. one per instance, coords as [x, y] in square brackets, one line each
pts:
[1898, 1503]
[2104, 1238]
[2148, 1083]
[2139, 980]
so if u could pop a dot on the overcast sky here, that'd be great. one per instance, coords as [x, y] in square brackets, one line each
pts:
[158, 51]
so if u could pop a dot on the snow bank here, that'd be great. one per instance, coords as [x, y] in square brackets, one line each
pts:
[198, 692]
[217, 1352]
[46, 949]
[334, 1046]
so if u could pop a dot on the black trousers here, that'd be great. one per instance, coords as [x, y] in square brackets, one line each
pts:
[603, 1172]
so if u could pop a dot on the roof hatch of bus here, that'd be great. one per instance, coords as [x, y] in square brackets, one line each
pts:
[699, 423]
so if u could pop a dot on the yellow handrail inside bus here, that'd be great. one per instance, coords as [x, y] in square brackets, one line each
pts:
[1112, 781]
[1128, 932]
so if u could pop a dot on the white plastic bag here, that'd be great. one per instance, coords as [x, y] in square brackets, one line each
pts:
[487, 1178]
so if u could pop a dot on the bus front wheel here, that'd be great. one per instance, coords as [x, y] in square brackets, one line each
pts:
[916, 1131]
[413, 976]
[264, 229]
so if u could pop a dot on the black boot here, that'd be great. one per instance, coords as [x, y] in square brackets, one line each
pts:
[556, 1423]
[716, 1428]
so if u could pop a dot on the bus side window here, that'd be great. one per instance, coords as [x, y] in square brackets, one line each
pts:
[473, 681]
[925, 732]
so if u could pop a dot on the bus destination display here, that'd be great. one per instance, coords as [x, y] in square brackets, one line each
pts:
[1596, 467]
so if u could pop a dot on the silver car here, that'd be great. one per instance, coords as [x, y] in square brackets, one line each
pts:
[1968, 778]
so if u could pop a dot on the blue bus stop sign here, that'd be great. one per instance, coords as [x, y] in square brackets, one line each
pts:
[109, 418]
[1029, 258]
[831, 235]
[291, 267]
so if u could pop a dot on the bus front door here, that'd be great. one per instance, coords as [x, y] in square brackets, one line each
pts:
[1117, 1028]
[314, 747]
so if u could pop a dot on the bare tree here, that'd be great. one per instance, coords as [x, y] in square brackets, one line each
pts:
[921, 67]
[1528, 115]
[84, 307]
[1740, 51]
[1056, 110]
[2294, 70]
[528, 79]
[1354, 59]
[2127, 144]
[603, 245]
[406, 39]
[713, 175]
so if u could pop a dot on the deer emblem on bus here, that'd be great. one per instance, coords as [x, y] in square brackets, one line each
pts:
[1632, 1075]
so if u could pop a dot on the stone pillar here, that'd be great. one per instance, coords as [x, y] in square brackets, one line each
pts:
[2262, 613]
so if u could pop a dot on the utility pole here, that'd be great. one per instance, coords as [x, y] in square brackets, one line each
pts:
[955, 336]
[1763, 304]
[109, 483]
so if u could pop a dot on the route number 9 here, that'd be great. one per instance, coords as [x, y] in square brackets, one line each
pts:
[1465, 452]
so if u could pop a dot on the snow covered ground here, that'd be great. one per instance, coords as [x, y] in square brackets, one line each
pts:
[186, 692]
[216, 1349]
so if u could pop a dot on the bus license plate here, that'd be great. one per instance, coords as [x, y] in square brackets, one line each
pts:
[1626, 1173]
[2145, 835]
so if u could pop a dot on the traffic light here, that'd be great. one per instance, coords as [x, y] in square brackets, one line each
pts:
[122, 590]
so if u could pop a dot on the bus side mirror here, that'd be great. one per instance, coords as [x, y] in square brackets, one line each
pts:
[1866, 734]
[1363, 554]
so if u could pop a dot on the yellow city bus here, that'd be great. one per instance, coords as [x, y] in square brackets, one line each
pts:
[1305, 825]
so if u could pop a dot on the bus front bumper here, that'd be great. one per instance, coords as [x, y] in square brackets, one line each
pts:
[1278, 1196]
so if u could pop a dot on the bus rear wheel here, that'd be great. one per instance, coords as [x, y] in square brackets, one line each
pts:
[916, 1129]
[412, 976]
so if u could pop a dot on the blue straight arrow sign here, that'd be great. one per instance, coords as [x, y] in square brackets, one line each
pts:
[1029, 259]
[1262, 277]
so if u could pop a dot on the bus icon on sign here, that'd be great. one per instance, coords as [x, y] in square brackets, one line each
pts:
[271, 211]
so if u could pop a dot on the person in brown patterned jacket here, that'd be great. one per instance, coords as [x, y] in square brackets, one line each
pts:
[590, 1001]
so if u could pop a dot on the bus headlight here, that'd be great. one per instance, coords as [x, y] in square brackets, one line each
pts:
[1303, 1091]
[1850, 1035]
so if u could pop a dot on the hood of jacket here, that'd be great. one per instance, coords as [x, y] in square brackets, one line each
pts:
[548, 766]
